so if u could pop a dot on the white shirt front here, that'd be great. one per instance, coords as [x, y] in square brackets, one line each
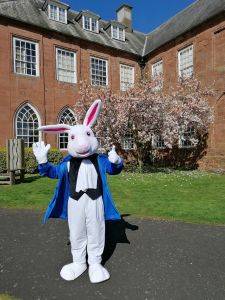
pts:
[87, 176]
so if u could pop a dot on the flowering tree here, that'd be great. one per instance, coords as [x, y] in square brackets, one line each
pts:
[146, 112]
[113, 120]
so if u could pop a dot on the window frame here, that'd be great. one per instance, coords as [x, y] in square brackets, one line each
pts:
[75, 64]
[191, 46]
[181, 146]
[129, 139]
[90, 24]
[118, 33]
[59, 118]
[16, 118]
[58, 7]
[14, 39]
[133, 77]
[154, 142]
[159, 87]
[155, 64]
[107, 71]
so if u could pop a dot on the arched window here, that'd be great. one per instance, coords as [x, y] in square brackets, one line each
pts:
[27, 122]
[67, 116]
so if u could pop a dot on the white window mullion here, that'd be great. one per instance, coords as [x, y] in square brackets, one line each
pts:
[57, 13]
[26, 57]
[126, 77]
[185, 62]
[54, 13]
[27, 122]
[99, 71]
[107, 73]
[67, 116]
[66, 70]
[37, 60]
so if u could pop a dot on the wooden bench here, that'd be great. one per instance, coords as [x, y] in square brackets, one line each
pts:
[15, 162]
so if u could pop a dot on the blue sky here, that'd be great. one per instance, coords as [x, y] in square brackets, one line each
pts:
[147, 14]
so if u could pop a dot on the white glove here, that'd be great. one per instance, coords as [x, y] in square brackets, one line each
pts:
[113, 156]
[41, 152]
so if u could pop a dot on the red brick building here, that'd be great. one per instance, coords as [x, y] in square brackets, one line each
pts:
[46, 49]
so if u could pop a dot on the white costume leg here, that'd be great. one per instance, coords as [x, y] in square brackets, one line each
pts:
[77, 228]
[95, 223]
[78, 239]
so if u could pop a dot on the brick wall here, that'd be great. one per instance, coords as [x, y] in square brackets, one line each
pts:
[209, 66]
[48, 95]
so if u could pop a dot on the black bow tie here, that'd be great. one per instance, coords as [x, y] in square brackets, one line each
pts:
[92, 158]
[73, 174]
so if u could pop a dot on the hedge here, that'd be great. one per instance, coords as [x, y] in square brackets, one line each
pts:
[54, 156]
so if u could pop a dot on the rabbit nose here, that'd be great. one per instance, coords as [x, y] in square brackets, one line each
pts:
[83, 148]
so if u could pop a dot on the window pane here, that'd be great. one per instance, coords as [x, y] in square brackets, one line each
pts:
[66, 117]
[25, 53]
[26, 125]
[157, 69]
[87, 23]
[186, 62]
[94, 26]
[66, 69]
[158, 142]
[128, 142]
[98, 71]
[53, 12]
[62, 15]
[126, 77]
[114, 32]
[186, 138]
[118, 33]
[121, 34]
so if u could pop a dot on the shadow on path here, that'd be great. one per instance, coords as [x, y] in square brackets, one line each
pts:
[116, 233]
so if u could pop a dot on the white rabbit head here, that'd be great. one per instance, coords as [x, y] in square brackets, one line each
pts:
[81, 139]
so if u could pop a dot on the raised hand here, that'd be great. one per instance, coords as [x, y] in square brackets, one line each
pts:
[41, 152]
[113, 156]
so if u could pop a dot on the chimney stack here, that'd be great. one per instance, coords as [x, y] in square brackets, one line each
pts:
[124, 16]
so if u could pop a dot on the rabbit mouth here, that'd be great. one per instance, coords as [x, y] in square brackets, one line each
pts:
[83, 153]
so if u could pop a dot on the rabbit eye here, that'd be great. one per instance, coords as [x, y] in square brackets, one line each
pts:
[88, 133]
[72, 137]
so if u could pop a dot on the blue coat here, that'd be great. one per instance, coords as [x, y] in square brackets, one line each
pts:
[58, 205]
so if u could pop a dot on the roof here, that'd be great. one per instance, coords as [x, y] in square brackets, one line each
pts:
[30, 12]
[194, 15]
[137, 43]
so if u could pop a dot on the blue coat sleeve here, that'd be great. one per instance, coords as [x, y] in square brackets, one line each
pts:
[49, 170]
[113, 169]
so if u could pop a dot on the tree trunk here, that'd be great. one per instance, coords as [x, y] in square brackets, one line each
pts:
[140, 160]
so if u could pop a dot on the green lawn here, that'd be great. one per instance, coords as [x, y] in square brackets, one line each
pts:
[188, 196]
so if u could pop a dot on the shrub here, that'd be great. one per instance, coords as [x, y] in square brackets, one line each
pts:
[54, 156]
[2, 160]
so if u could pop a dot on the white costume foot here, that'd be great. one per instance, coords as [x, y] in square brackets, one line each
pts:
[72, 271]
[97, 273]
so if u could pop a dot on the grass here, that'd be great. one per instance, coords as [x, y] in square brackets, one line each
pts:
[188, 196]
[7, 297]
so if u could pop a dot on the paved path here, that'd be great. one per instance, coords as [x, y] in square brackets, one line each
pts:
[164, 260]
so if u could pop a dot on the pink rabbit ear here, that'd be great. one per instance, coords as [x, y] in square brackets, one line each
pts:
[92, 113]
[59, 128]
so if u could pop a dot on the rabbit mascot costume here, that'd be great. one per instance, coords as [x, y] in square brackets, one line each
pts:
[82, 195]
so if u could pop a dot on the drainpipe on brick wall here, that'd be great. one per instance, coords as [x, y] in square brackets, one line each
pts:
[43, 61]
[142, 64]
